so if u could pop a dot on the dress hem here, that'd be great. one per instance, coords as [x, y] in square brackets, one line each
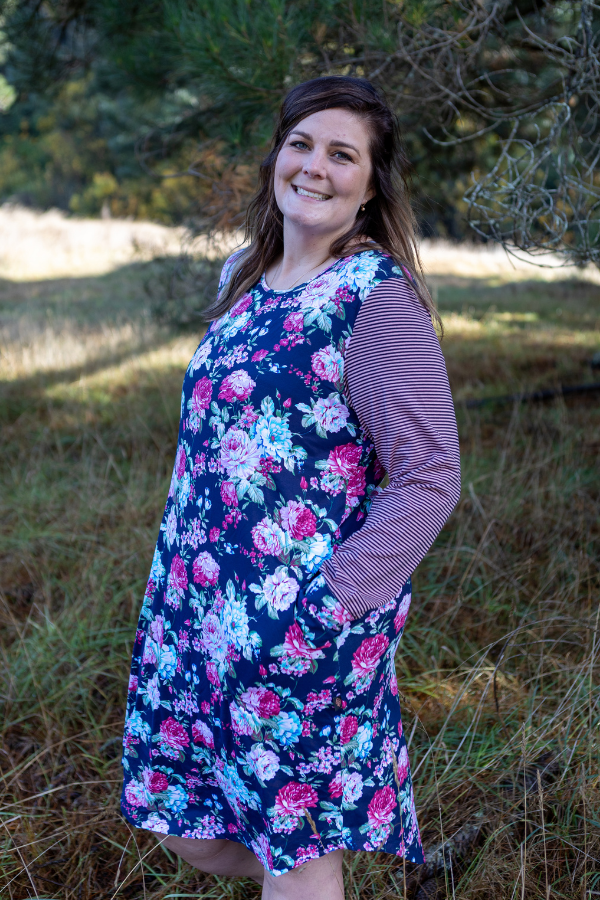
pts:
[322, 850]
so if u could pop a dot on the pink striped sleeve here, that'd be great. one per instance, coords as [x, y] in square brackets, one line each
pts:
[397, 383]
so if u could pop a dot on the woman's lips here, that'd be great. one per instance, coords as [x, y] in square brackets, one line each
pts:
[313, 195]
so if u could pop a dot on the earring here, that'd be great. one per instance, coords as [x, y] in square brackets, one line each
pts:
[363, 207]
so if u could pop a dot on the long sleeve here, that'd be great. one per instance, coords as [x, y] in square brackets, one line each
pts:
[397, 384]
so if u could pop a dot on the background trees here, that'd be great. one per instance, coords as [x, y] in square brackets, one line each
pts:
[498, 101]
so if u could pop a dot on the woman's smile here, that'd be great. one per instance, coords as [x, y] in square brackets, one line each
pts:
[313, 195]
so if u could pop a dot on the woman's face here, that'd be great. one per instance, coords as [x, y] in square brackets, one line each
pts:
[323, 172]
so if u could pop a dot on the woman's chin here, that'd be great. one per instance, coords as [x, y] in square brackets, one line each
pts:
[315, 222]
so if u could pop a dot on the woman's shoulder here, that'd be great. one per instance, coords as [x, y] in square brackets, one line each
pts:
[229, 267]
[369, 267]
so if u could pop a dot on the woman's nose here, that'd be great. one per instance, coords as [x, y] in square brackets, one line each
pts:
[314, 166]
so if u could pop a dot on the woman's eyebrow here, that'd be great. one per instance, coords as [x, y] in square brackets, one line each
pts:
[331, 143]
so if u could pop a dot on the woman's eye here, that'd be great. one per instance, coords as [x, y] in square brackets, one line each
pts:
[339, 154]
[300, 145]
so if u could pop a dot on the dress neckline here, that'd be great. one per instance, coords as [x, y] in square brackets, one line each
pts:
[270, 290]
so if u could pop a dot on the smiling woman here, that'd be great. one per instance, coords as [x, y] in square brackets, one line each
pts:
[263, 733]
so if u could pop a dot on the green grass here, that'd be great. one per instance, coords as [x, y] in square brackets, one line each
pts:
[499, 662]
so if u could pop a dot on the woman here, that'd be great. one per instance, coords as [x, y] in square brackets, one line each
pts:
[263, 731]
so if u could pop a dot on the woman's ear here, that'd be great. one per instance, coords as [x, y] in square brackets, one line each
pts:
[369, 195]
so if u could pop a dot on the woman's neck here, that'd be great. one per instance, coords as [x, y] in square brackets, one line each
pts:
[303, 255]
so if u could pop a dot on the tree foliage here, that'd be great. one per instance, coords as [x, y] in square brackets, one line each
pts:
[498, 101]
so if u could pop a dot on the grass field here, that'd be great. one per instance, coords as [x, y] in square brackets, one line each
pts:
[498, 668]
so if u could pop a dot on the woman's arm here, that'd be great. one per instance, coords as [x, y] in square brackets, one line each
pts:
[397, 384]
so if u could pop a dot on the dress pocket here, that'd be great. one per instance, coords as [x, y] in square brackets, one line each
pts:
[320, 615]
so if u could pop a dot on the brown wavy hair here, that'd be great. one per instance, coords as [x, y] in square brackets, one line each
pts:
[387, 223]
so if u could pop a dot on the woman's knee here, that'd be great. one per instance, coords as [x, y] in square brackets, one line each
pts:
[320, 877]
[195, 851]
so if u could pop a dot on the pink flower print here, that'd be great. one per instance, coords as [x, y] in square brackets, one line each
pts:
[229, 494]
[328, 363]
[212, 674]
[133, 683]
[298, 520]
[366, 657]
[134, 794]
[294, 322]
[157, 630]
[251, 698]
[180, 459]
[268, 537]
[356, 484]
[344, 459]
[237, 386]
[293, 798]
[259, 355]
[206, 569]
[157, 783]
[173, 734]
[403, 765]
[402, 613]
[201, 396]
[178, 575]
[303, 483]
[201, 734]
[378, 470]
[336, 788]
[296, 646]
[348, 728]
[381, 808]
[269, 705]
[241, 306]
[262, 851]
[213, 535]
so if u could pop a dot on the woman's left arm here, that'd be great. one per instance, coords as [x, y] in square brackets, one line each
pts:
[398, 386]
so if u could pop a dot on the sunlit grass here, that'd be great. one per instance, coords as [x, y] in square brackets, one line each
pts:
[499, 663]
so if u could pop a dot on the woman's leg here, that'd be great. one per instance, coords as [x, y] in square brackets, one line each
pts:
[317, 879]
[217, 857]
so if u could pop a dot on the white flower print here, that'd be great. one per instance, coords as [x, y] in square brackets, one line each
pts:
[278, 590]
[329, 414]
[242, 720]
[232, 324]
[352, 784]
[360, 270]
[170, 528]
[240, 456]
[319, 549]
[213, 639]
[235, 623]
[153, 691]
[287, 728]
[200, 356]
[364, 738]
[318, 293]
[157, 572]
[273, 437]
[270, 538]
[156, 824]
[264, 763]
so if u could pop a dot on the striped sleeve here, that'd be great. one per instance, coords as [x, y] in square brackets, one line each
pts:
[396, 381]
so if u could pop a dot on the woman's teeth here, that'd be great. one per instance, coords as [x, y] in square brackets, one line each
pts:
[312, 194]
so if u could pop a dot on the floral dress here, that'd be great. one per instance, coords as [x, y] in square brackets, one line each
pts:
[259, 710]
